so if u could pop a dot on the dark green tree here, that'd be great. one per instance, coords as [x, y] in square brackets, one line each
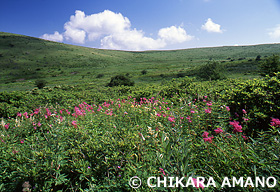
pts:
[211, 71]
[40, 83]
[270, 66]
[119, 80]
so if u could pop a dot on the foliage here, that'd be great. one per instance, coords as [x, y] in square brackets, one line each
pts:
[270, 66]
[99, 147]
[119, 80]
[211, 71]
[40, 83]
[144, 72]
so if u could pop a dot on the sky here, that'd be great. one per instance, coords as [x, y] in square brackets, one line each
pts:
[137, 25]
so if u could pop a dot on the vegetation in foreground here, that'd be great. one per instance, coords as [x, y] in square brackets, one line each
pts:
[84, 140]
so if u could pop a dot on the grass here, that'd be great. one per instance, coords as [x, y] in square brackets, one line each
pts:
[25, 59]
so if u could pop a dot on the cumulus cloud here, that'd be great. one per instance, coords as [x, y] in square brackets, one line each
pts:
[53, 37]
[275, 33]
[211, 27]
[174, 35]
[114, 31]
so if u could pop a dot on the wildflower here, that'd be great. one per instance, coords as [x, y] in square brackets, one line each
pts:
[218, 130]
[243, 110]
[119, 167]
[208, 139]
[200, 185]
[74, 123]
[39, 124]
[275, 122]
[244, 137]
[7, 126]
[88, 167]
[192, 111]
[163, 172]
[171, 119]
[22, 141]
[15, 151]
[209, 110]
[25, 115]
[227, 108]
[245, 119]
[236, 126]
[35, 128]
[205, 134]
[167, 108]
[19, 114]
[209, 103]
[189, 118]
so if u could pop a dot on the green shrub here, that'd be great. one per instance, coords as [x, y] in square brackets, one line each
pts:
[270, 66]
[144, 72]
[119, 80]
[40, 83]
[211, 71]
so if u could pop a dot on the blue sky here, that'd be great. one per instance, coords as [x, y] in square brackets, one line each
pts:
[145, 24]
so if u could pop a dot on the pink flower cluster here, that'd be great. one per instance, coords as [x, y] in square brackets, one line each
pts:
[206, 137]
[236, 126]
[275, 122]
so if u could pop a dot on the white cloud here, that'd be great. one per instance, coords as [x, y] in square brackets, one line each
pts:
[174, 35]
[114, 31]
[53, 37]
[131, 40]
[275, 33]
[211, 27]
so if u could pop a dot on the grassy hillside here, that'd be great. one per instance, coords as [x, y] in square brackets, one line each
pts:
[24, 59]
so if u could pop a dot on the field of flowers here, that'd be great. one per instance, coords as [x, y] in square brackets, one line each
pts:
[179, 132]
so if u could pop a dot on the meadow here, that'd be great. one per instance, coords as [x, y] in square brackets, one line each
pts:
[77, 134]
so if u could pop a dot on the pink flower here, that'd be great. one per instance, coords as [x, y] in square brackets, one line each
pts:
[218, 130]
[236, 126]
[227, 108]
[39, 124]
[208, 139]
[192, 111]
[7, 126]
[161, 170]
[74, 123]
[205, 134]
[209, 110]
[19, 114]
[200, 185]
[244, 137]
[171, 119]
[22, 141]
[243, 110]
[209, 103]
[275, 122]
[25, 115]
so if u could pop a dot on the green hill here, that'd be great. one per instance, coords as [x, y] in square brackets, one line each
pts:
[25, 59]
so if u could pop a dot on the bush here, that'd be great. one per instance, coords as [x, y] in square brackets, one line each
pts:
[211, 71]
[270, 66]
[100, 76]
[40, 83]
[119, 80]
[144, 72]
